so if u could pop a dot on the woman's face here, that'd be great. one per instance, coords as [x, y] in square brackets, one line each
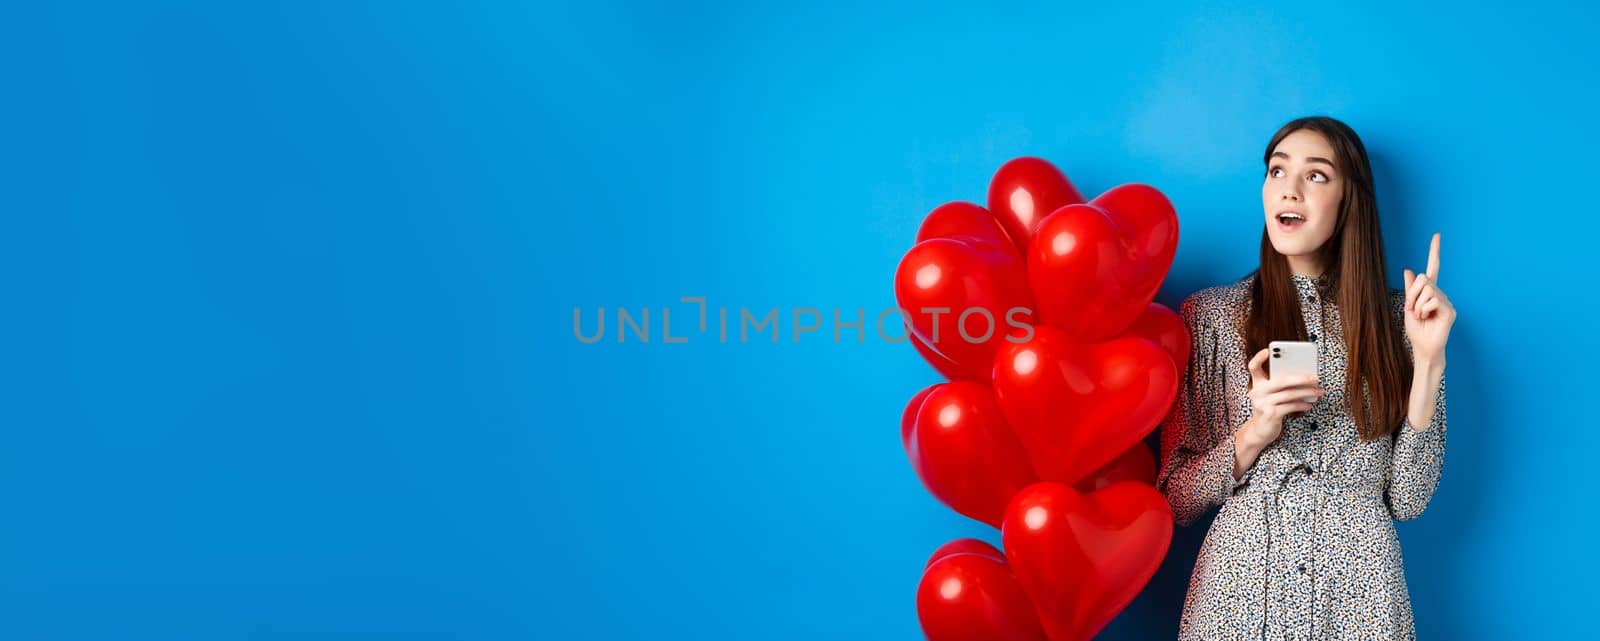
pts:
[1301, 181]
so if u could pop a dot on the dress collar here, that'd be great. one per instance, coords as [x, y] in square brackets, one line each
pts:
[1308, 285]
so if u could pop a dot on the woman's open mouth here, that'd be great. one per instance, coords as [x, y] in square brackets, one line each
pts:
[1290, 221]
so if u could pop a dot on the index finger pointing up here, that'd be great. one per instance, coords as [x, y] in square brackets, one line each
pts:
[1433, 259]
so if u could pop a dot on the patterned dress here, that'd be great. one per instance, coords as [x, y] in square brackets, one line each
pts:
[1304, 546]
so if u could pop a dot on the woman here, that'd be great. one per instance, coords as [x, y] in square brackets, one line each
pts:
[1309, 482]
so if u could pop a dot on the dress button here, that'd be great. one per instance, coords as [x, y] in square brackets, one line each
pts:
[1313, 337]
[1311, 425]
[1313, 299]
[1302, 568]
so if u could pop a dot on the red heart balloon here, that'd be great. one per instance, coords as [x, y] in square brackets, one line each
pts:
[1025, 190]
[1163, 327]
[965, 454]
[969, 594]
[1078, 268]
[1082, 558]
[1137, 464]
[1151, 225]
[1076, 406]
[980, 290]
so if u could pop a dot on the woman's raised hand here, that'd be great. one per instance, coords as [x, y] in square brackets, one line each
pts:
[1272, 400]
[1429, 313]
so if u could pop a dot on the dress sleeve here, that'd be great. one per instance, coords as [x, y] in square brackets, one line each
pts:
[1197, 436]
[1418, 459]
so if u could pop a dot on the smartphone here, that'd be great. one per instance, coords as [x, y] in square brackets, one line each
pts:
[1290, 358]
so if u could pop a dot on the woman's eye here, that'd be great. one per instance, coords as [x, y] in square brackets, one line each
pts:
[1316, 176]
[1274, 172]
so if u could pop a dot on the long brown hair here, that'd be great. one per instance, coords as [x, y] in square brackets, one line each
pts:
[1378, 369]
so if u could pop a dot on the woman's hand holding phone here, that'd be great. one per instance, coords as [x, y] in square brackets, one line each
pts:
[1271, 400]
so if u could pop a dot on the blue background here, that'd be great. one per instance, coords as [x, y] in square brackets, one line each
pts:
[289, 351]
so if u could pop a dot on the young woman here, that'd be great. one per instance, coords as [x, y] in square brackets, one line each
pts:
[1310, 472]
